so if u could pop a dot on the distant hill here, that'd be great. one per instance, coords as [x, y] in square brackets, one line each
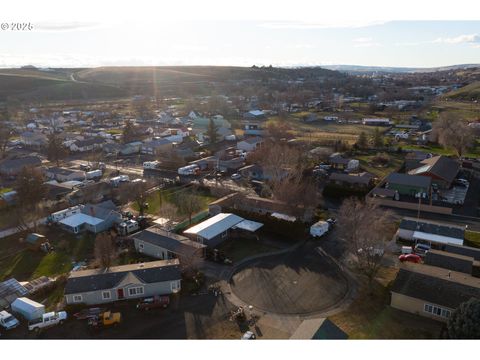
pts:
[359, 69]
[34, 84]
[466, 93]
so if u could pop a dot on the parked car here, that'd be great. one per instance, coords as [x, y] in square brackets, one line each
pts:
[421, 249]
[410, 258]
[47, 320]
[236, 176]
[249, 335]
[8, 321]
[153, 302]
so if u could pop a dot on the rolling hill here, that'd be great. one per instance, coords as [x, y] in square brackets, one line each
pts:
[466, 93]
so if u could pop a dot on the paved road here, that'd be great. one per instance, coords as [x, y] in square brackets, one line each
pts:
[15, 230]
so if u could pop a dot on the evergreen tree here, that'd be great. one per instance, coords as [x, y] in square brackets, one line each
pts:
[212, 131]
[362, 141]
[464, 323]
[377, 139]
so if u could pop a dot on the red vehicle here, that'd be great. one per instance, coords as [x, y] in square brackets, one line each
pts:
[153, 302]
[410, 258]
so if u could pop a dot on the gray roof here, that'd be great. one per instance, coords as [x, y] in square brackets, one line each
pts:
[157, 142]
[175, 243]
[21, 162]
[432, 284]
[463, 250]
[9, 291]
[409, 180]
[101, 210]
[61, 171]
[100, 279]
[252, 140]
[440, 166]
[433, 227]
[88, 142]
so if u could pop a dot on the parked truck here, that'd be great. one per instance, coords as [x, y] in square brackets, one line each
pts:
[47, 320]
[319, 229]
[29, 309]
[189, 170]
[105, 319]
[8, 321]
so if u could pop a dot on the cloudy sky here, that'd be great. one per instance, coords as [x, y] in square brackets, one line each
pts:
[213, 32]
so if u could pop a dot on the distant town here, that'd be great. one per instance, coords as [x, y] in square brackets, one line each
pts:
[239, 203]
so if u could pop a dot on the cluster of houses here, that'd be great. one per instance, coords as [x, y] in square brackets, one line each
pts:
[448, 276]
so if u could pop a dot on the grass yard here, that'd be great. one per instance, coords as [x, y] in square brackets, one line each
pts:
[238, 249]
[396, 161]
[472, 238]
[371, 317]
[169, 195]
[17, 261]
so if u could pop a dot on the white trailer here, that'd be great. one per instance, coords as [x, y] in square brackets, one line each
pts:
[29, 309]
[119, 179]
[189, 170]
[319, 229]
[127, 227]
[94, 174]
[62, 214]
[151, 164]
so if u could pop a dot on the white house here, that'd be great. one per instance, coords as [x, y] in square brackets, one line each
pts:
[250, 144]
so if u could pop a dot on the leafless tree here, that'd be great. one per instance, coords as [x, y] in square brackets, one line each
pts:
[453, 132]
[188, 202]
[138, 193]
[55, 149]
[104, 250]
[169, 212]
[5, 135]
[30, 194]
[365, 229]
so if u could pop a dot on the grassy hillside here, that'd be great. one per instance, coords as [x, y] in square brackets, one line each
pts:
[466, 93]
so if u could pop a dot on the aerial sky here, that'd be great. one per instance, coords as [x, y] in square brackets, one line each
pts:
[168, 35]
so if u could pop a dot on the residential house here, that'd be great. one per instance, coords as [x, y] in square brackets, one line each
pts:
[361, 181]
[431, 291]
[254, 115]
[337, 161]
[63, 174]
[413, 159]
[408, 185]
[12, 167]
[94, 218]
[258, 172]
[33, 139]
[161, 244]
[87, 144]
[156, 146]
[250, 144]
[214, 230]
[423, 230]
[450, 261]
[253, 129]
[10, 290]
[441, 169]
[100, 286]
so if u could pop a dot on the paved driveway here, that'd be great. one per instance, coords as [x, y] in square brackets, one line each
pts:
[300, 282]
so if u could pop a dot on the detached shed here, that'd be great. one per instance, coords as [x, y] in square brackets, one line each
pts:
[34, 240]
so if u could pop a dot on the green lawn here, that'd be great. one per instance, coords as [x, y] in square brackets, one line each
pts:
[238, 249]
[472, 238]
[396, 161]
[371, 317]
[169, 196]
[17, 261]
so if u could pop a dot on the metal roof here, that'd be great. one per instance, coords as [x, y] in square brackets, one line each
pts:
[214, 226]
[439, 239]
[79, 219]
[248, 225]
[409, 180]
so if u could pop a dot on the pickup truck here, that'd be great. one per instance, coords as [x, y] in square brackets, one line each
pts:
[47, 320]
[104, 319]
[8, 321]
[153, 302]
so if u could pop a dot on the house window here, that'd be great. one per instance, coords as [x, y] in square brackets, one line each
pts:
[224, 235]
[175, 285]
[106, 295]
[135, 291]
[77, 298]
[140, 247]
[436, 310]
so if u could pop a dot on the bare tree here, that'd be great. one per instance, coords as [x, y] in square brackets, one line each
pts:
[169, 212]
[365, 229]
[104, 250]
[55, 149]
[453, 132]
[188, 202]
[5, 135]
[30, 193]
[138, 193]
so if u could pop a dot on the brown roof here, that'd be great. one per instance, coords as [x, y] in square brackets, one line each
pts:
[440, 166]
